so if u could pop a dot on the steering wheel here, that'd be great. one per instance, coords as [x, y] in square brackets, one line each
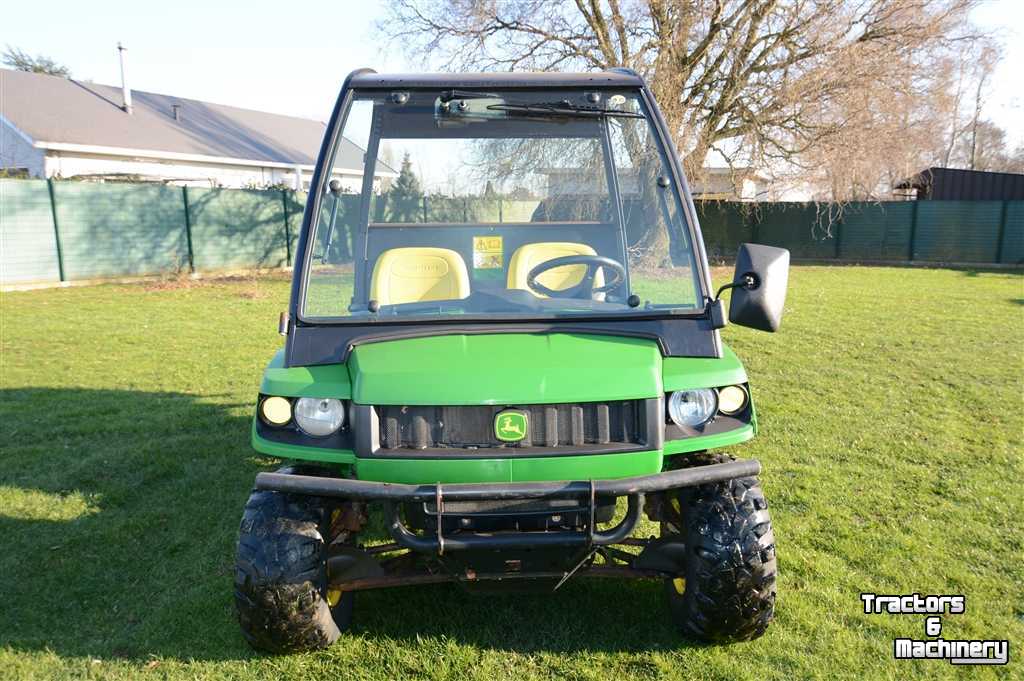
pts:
[585, 288]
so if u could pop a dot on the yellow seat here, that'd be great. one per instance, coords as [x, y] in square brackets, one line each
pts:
[529, 256]
[409, 275]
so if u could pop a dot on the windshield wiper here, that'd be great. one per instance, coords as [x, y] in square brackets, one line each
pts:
[563, 108]
[449, 95]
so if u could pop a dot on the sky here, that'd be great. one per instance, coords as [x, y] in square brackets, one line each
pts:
[287, 58]
[291, 58]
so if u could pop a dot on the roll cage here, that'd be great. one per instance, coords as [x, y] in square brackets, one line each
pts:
[322, 341]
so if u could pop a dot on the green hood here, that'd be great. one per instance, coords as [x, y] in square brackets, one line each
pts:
[505, 369]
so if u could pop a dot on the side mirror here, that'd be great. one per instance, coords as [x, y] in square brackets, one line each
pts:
[759, 287]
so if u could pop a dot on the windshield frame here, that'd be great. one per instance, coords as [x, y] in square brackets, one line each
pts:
[325, 162]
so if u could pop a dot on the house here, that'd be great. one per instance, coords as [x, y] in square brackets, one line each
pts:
[954, 184]
[57, 127]
[726, 184]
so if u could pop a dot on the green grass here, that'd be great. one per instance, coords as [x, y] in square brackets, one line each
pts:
[891, 424]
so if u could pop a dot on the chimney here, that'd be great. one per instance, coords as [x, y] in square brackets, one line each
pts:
[126, 94]
[176, 111]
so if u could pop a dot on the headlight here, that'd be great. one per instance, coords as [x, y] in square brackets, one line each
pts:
[319, 416]
[692, 407]
[275, 411]
[732, 399]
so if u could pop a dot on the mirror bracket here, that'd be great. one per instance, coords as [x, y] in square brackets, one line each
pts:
[716, 313]
[716, 307]
[748, 281]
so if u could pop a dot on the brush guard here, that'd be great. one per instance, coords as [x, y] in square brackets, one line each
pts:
[658, 557]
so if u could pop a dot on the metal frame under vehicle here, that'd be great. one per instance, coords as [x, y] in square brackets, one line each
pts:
[359, 569]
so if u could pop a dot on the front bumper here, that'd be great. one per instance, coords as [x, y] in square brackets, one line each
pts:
[633, 488]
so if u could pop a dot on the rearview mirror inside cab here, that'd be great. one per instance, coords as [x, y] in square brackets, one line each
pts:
[759, 287]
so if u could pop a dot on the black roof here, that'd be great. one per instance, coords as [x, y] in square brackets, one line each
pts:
[954, 184]
[367, 78]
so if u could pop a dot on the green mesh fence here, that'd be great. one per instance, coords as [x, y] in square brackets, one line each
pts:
[875, 231]
[724, 226]
[390, 208]
[936, 231]
[1013, 234]
[958, 231]
[112, 230]
[237, 228]
[803, 228]
[28, 246]
[296, 205]
[518, 210]
[344, 212]
[442, 209]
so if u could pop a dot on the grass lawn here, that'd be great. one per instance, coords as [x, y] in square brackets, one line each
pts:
[890, 407]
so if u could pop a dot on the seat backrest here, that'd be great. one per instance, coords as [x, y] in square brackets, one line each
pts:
[529, 256]
[409, 275]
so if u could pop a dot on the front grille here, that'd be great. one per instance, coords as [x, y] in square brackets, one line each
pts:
[576, 425]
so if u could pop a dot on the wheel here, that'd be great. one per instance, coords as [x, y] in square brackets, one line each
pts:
[281, 592]
[727, 592]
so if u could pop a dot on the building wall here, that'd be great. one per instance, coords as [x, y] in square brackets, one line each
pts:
[68, 165]
[16, 151]
[715, 184]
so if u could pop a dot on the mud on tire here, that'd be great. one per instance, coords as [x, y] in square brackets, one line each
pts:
[280, 573]
[729, 592]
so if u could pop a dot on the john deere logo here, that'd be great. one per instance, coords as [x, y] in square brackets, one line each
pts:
[511, 425]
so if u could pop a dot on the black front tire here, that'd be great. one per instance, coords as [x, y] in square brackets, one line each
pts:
[280, 574]
[727, 592]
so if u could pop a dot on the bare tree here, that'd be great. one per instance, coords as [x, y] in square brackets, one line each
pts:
[986, 63]
[1015, 160]
[22, 61]
[986, 148]
[842, 93]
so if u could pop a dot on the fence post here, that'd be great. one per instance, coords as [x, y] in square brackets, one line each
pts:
[501, 217]
[56, 230]
[839, 237]
[424, 208]
[913, 231]
[465, 209]
[188, 230]
[755, 229]
[287, 228]
[1002, 233]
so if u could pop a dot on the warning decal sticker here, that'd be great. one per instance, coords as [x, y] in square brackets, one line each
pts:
[487, 253]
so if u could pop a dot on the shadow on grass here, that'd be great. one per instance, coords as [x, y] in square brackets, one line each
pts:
[118, 519]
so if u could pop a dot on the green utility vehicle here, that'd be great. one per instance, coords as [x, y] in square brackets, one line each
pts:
[503, 338]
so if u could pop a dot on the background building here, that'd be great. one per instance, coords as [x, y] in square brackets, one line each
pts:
[954, 184]
[63, 128]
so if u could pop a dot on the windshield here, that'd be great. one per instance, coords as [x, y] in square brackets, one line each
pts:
[516, 204]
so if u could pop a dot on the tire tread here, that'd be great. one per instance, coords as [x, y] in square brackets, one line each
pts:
[280, 573]
[731, 568]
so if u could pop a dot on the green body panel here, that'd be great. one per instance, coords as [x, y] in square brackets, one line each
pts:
[329, 380]
[592, 467]
[696, 444]
[687, 373]
[287, 451]
[505, 369]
